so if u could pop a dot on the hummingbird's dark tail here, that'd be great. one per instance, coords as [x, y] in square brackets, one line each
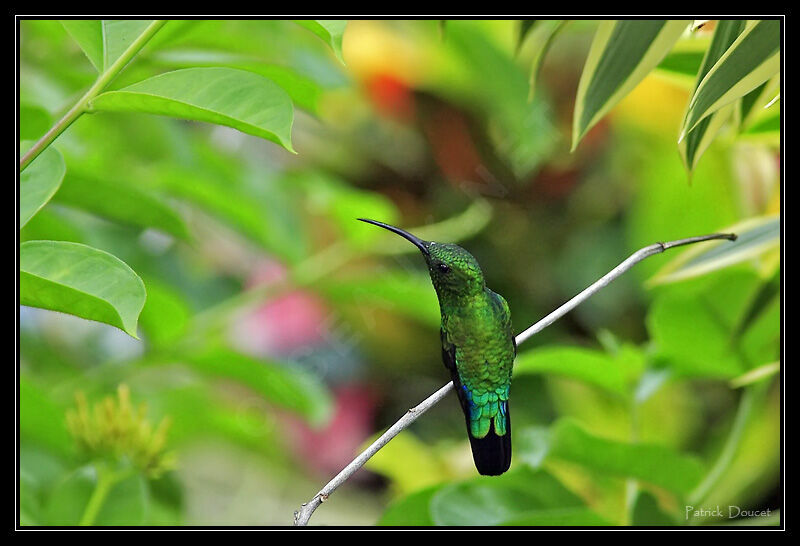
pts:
[492, 453]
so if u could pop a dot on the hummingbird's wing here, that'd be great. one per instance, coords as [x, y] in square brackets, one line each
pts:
[503, 313]
[448, 353]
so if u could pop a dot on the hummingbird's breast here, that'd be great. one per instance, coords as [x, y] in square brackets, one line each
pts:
[483, 341]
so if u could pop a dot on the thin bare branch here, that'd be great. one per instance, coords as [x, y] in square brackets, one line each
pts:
[302, 516]
[606, 279]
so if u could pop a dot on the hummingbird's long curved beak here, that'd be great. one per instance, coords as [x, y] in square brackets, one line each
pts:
[419, 243]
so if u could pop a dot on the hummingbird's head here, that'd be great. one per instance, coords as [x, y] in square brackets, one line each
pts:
[453, 270]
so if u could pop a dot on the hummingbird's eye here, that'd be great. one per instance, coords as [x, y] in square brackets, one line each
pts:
[444, 268]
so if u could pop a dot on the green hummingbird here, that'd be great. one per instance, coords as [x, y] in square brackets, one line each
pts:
[478, 347]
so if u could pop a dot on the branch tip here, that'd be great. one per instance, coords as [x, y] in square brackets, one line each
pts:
[699, 239]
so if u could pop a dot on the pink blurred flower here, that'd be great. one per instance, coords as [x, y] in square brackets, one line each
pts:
[282, 325]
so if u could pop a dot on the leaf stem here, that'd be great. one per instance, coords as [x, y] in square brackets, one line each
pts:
[82, 105]
[106, 480]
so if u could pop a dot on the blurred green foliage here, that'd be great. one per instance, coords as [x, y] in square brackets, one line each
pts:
[278, 334]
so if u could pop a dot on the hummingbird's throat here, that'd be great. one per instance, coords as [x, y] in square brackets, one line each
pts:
[460, 296]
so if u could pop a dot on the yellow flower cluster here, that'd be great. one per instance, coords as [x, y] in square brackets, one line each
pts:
[114, 429]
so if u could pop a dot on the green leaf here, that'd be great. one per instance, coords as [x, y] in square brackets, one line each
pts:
[758, 332]
[125, 504]
[755, 375]
[646, 511]
[120, 202]
[40, 420]
[51, 225]
[408, 463]
[165, 315]
[544, 35]
[267, 217]
[523, 497]
[342, 203]
[559, 517]
[699, 138]
[304, 91]
[682, 65]
[752, 105]
[692, 337]
[612, 373]
[766, 129]
[770, 124]
[725, 35]
[34, 122]
[39, 470]
[525, 27]
[413, 509]
[331, 31]
[520, 130]
[199, 412]
[82, 281]
[288, 387]
[621, 55]
[404, 293]
[531, 445]
[243, 100]
[750, 61]
[489, 501]
[655, 464]
[758, 305]
[89, 35]
[755, 237]
[104, 41]
[39, 181]
[168, 501]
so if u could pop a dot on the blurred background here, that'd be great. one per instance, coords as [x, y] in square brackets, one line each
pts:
[280, 335]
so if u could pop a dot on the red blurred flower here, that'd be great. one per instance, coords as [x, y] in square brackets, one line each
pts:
[391, 97]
